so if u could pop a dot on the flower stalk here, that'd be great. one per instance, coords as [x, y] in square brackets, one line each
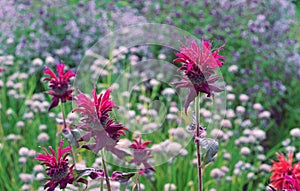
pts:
[105, 171]
[197, 102]
[65, 126]
[63, 114]
[101, 184]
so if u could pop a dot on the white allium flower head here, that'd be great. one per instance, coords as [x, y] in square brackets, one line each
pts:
[174, 109]
[173, 148]
[31, 153]
[206, 113]
[265, 167]
[245, 151]
[217, 133]
[259, 134]
[154, 82]
[20, 124]
[9, 111]
[25, 187]
[246, 123]
[162, 56]
[228, 88]
[37, 62]
[12, 137]
[183, 152]
[227, 156]
[40, 176]
[42, 127]
[250, 175]
[22, 160]
[257, 106]
[170, 187]
[243, 98]
[216, 173]
[50, 60]
[43, 137]
[264, 114]
[230, 114]
[38, 168]
[240, 109]
[226, 123]
[26, 178]
[178, 133]
[23, 151]
[243, 139]
[290, 149]
[261, 157]
[298, 156]
[295, 132]
[236, 171]
[233, 68]
[225, 169]
[286, 142]
[247, 132]
[168, 91]
[231, 97]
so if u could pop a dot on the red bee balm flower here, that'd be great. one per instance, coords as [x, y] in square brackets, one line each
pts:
[97, 122]
[285, 176]
[199, 65]
[57, 167]
[59, 85]
[141, 154]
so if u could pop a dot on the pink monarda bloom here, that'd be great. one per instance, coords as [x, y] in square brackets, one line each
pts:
[285, 176]
[141, 154]
[59, 84]
[97, 122]
[58, 167]
[199, 64]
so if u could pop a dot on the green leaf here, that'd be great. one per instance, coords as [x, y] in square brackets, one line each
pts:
[122, 4]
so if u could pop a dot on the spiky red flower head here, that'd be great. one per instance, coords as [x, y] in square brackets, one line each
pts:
[103, 104]
[202, 57]
[141, 154]
[285, 176]
[139, 144]
[0, 69]
[59, 84]
[199, 64]
[97, 122]
[58, 167]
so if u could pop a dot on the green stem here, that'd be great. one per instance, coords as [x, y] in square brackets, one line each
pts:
[101, 184]
[197, 102]
[139, 183]
[105, 170]
[63, 114]
[65, 126]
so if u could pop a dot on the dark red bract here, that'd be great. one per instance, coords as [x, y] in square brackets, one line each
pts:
[59, 84]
